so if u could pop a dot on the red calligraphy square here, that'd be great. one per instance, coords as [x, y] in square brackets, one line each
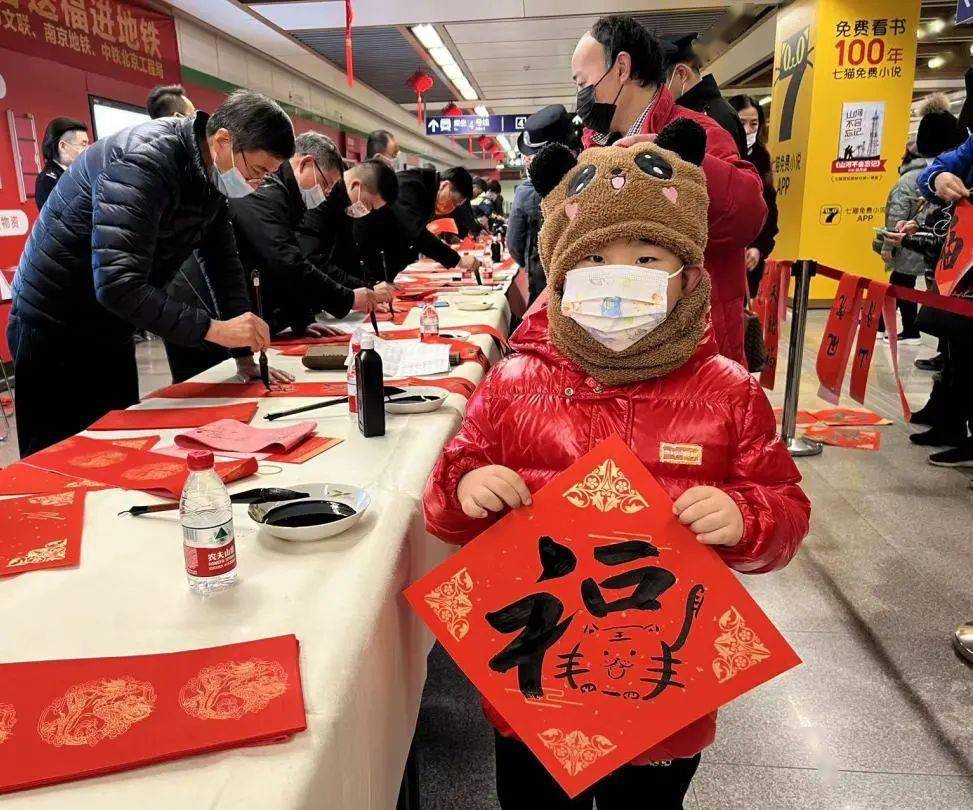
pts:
[595, 623]
[41, 531]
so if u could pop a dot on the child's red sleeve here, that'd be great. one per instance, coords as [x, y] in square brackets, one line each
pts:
[764, 484]
[476, 445]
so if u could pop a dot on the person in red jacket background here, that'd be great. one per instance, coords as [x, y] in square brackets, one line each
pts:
[624, 347]
[619, 69]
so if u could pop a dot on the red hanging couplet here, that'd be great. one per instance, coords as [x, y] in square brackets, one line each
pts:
[349, 52]
[894, 347]
[837, 339]
[957, 255]
[772, 312]
[867, 332]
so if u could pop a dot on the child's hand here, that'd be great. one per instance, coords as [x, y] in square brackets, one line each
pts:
[711, 514]
[490, 489]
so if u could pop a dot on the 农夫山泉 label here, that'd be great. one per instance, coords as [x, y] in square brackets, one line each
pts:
[211, 551]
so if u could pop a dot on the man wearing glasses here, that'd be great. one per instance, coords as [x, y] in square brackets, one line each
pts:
[294, 289]
[114, 232]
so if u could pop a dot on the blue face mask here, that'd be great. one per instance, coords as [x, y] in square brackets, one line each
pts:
[231, 183]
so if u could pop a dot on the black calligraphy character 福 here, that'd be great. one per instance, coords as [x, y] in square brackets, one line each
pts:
[663, 676]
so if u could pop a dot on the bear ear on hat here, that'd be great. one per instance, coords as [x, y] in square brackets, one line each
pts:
[549, 167]
[684, 137]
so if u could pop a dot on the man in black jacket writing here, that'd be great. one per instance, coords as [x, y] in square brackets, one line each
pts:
[424, 195]
[115, 230]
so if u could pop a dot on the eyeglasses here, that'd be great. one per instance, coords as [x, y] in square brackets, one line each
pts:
[328, 185]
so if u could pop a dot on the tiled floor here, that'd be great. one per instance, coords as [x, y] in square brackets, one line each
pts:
[880, 715]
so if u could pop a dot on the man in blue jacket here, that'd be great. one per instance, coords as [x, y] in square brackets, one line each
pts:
[950, 175]
[116, 229]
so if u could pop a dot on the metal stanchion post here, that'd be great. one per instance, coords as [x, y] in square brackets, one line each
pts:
[803, 271]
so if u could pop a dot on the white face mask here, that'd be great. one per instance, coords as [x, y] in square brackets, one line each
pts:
[358, 209]
[751, 139]
[230, 183]
[617, 304]
[313, 196]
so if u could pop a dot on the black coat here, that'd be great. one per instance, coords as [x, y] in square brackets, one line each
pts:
[326, 237]
[115, 230]
[706, 98]
[767, 238]
[294, 289]
[407, 236]
[46, 181]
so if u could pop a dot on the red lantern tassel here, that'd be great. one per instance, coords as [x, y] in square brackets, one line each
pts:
[349, 52]
[419, 109]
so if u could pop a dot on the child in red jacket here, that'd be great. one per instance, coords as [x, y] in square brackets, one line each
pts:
[624, 348]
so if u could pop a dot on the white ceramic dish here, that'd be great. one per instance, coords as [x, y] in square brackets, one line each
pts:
[476, 290]
[346, 494]
[474, 305]
[440, 395]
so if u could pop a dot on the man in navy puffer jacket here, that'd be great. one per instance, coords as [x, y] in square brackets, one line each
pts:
[116, 229]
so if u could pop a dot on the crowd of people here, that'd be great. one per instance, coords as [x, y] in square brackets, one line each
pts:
[936, 172]
[163, 227]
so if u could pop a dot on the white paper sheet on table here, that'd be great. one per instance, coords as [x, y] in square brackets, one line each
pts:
[411, 358]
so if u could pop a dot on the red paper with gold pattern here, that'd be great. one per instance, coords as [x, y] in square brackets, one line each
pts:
[22, 479]
[120, 466]
[66, 720]
[852, 417]
[852, 437]
[157, 418]
[641, 629]
[41, 531]
[956, 258]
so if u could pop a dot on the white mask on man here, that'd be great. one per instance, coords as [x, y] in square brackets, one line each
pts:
[617, 304]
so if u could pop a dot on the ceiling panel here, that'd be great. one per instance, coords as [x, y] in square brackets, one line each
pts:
[384, 59]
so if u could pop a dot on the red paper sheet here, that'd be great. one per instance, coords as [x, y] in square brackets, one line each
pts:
[156, 418]
[66, 720]
[838, 337]
[22, 479]
[594, 621]
[956, 258]
[875, 293]
[228, 434]
[195, 390]
[312, 446]
[138, 442]
[850, 417]
[803, 417]
[856, 438]
[772, 313]
[42, 531]
[120, 466]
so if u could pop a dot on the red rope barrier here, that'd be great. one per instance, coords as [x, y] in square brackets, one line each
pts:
[948, 303]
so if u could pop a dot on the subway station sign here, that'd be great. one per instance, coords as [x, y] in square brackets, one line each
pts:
[476, 124]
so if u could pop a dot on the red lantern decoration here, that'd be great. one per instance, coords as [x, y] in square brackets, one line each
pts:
[452, 110]
[484, 143]
[420, 82]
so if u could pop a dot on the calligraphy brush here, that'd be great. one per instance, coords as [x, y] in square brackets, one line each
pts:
[390, 391]
[259, 495]
[264, 369]
[385, 275]
[368, 283]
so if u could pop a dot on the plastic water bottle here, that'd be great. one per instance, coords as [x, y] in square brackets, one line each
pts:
[354, 347]
[206, 516]
[429, 324]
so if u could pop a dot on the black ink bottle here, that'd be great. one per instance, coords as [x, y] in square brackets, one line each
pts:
[371, 389]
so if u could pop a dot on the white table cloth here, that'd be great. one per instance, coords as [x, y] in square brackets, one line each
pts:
[363, 651]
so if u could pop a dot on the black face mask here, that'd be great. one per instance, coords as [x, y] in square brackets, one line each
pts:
[596, 115]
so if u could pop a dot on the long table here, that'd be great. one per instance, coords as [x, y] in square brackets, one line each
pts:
[363, 651]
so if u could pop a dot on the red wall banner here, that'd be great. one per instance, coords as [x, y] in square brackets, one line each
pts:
[117, 38]
[837, 339]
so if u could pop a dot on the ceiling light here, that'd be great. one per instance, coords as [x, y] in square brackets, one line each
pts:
[442, 56]
[427, 35]
[502, 139]
[937, 25]
[765, 101]
[481, 110]
[921, 33]
[465, 89]
[454, 73]
[971, 50]
[936, 62]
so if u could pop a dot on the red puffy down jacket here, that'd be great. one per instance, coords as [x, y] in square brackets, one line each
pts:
[538, 413]
[736, 215]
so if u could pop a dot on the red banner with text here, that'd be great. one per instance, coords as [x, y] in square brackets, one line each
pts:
[867, 333]
[112, 37]
[838, 336]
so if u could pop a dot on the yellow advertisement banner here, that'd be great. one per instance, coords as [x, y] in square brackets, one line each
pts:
[843, 76]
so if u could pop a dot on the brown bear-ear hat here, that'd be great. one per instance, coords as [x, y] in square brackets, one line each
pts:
[652, 191]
